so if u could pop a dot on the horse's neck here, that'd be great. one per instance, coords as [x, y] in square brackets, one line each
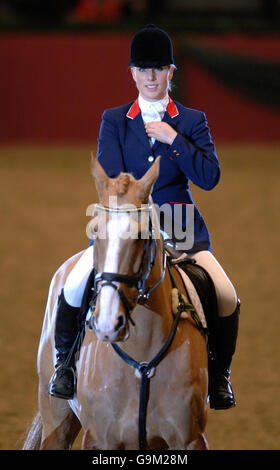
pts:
[153, 321]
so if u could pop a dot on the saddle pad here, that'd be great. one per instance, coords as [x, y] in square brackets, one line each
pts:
[194, 298]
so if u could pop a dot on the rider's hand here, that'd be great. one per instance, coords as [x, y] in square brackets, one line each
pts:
[161, 131]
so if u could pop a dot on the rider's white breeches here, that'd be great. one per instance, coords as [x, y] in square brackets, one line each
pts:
[225, 292]
[76, 281]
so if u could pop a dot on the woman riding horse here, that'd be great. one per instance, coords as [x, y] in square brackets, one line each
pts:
[131, 137]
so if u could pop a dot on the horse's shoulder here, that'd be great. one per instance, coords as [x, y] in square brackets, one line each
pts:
[65, 268]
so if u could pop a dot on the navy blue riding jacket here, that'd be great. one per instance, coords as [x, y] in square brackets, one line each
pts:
[123, 146]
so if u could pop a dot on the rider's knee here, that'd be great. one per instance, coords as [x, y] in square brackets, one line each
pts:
[227, 300]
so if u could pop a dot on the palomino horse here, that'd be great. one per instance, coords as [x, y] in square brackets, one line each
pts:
[132, 287]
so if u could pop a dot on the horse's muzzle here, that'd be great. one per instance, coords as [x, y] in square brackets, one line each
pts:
[113, 333]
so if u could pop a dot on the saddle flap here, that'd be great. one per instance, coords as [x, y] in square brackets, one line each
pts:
[193, 295]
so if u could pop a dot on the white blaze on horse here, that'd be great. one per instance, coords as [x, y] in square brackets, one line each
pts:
[166, 401]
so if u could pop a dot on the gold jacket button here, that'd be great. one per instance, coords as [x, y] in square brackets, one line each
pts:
[151, 158]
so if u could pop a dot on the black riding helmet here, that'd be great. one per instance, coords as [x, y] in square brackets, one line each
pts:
[151, 47]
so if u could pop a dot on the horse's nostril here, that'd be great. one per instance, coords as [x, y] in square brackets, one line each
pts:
[121, 322]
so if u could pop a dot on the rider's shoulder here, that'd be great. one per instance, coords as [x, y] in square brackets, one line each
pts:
[118, 111]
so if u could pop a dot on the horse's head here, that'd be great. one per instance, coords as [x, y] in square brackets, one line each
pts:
[123, 248]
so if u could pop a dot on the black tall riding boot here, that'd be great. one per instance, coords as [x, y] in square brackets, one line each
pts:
[221, 394]
[63, 381]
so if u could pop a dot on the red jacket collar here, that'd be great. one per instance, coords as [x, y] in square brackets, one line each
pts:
[134, 110]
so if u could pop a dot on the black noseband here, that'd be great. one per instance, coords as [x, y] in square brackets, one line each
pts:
[109, 279]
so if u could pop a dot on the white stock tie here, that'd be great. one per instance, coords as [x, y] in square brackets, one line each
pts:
[153, 111]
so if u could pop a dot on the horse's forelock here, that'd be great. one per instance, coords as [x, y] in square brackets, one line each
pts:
[123, 183]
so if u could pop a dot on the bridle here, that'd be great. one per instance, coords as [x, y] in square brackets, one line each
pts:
[145, 370]
[139, 280]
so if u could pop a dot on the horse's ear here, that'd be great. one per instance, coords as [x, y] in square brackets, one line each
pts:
[100, 177]
[147, 181]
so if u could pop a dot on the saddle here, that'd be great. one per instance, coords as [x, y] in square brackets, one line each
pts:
[197, 282]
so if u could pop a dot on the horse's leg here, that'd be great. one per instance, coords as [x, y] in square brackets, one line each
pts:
[60, 426]
[64, 435]
[34, 434]
[198, 444]
[88, 442]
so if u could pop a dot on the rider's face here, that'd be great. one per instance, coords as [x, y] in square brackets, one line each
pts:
[152, 83]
